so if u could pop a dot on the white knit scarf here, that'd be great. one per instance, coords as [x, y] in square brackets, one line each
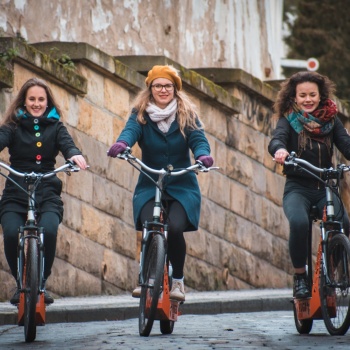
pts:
[163, 117]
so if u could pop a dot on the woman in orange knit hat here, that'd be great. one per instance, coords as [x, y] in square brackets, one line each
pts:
[166, 126]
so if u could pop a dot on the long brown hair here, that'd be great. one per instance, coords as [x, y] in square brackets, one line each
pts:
[19, 101]
[286, 96]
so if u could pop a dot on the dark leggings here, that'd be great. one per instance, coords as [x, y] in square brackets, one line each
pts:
[10, 222]
[178, 223]
[297, 202]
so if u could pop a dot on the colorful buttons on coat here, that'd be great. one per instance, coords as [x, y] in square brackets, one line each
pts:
[39, 143]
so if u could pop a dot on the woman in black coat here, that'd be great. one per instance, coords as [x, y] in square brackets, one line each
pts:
[308, 125]
[34, 136]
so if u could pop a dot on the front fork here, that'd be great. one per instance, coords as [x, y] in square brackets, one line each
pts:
[326, 236]
[24, 233]
[147, 235]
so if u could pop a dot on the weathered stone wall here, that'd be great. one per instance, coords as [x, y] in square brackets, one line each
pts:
[202, 33]
[242, 240]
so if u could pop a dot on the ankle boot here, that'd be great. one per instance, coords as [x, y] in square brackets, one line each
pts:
[301, 286]
[48, 299]
[15, 298]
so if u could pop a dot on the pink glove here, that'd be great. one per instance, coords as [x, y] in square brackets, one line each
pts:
[117, 148]
[207, 161]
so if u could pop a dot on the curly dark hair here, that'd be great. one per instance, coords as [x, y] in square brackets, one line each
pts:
[286, 95]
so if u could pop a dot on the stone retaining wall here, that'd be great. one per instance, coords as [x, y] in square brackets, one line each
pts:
[242, 240]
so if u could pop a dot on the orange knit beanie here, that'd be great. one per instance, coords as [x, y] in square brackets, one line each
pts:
[167, 72]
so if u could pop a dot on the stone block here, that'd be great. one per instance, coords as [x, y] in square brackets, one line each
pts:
[251, 269]
[196, 243]
[116, 272]
[274, 220]
[21, 76]
[80, 251]
[95, 85]
[71, 112]
[67, 280]
[108, 231]
[215, 121]
[80, 185]
[95, 153]
[95, 122]
[218, 193]
[274, 187]
[201, 276]
[116, 98]
[112, 199]
[212, 217]
[122, 173]
[72, 216]
[7, 285]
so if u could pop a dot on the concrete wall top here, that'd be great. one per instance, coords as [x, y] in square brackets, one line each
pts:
[28, 55]
[127, 69]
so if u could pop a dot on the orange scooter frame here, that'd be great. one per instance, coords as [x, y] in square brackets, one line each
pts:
[40, 310]
[40, 315]
[167, 309]
[310, 308]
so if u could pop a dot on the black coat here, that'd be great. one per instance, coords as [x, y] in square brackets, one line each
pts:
[317, 153]
[33, 145]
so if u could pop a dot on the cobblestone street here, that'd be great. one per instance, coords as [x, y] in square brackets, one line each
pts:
[271, 330]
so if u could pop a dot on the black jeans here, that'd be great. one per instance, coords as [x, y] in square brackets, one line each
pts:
[297, 202]
[10, 222]
[178, 223]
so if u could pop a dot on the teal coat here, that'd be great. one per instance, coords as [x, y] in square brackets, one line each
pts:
[160, 150]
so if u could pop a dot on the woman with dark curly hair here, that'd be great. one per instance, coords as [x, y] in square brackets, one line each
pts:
[308, 125]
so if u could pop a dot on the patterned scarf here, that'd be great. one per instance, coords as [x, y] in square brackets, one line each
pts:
[163, 117]
[316, 125]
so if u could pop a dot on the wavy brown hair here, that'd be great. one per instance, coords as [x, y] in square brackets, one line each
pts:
[19, 101]
[286, 95]
[187, 116]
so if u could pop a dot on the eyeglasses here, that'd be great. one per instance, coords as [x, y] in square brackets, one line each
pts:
[159, 87]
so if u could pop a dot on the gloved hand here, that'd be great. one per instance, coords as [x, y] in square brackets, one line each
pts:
[207, 161]
[117, 148]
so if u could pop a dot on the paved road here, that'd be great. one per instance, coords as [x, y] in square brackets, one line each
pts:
[270, 330]
[121, 307]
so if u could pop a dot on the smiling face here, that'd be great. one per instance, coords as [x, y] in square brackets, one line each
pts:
[163, 97]
[307, 96]
[36, 101]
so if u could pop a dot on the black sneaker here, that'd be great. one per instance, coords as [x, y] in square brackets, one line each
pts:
[48, 299]
[301, 286]
[15, 298]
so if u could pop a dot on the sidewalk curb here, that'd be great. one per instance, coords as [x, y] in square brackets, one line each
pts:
[125, 307]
